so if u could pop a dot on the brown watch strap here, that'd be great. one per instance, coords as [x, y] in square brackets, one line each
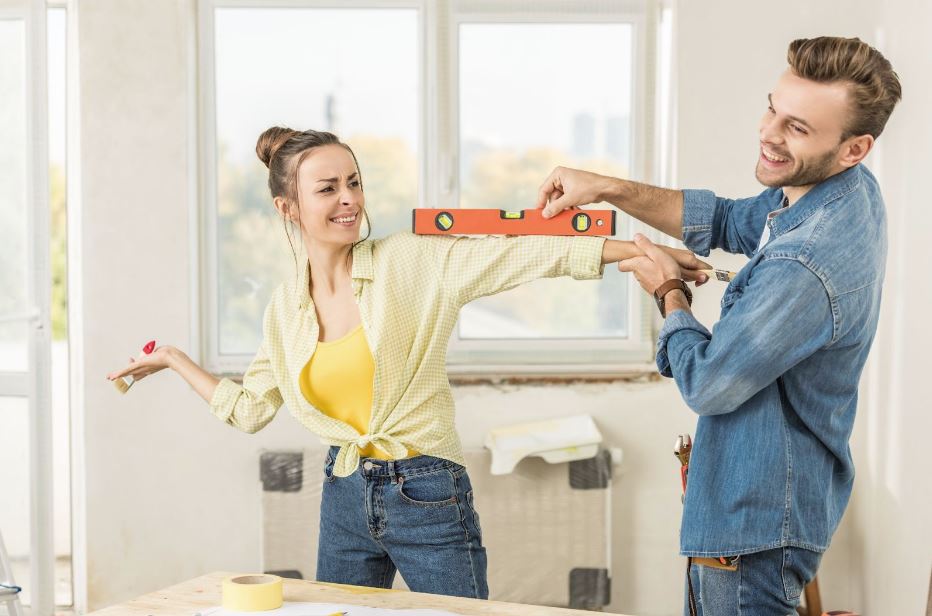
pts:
[670, 285]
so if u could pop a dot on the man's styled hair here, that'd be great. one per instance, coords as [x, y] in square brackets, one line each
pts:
[873, 85]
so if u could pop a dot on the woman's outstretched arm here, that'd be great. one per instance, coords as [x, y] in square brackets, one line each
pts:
[473, 267]
[249, 407]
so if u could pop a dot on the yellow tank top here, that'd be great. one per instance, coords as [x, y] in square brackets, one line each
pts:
[338, 381]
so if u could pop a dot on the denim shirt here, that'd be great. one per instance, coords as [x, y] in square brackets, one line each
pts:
[775, 384]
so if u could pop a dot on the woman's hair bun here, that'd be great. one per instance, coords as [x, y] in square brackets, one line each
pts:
[270, 141]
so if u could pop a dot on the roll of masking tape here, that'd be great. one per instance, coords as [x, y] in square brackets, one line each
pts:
[252, 593]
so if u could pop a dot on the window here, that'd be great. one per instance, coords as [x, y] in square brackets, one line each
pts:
[353, 72]
[447, 104]
[36, 523]
[518, 119]
[13, 191]
[56, 27]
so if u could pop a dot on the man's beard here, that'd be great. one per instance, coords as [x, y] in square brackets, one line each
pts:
[809, 173]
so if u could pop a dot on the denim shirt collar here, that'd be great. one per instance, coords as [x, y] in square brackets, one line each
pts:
[362, 270]
[818, 197]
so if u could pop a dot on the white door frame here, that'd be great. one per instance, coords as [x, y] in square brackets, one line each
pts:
[35, 383]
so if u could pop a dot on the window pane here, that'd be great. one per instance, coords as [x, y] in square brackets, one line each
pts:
[14, 477]
[353, 72]
[519, 119]
[13, 220]
[61, 449]
[56, 27]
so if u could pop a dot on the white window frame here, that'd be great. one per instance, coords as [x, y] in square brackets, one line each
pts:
[438, 27]
[568, 356]
[34, 383]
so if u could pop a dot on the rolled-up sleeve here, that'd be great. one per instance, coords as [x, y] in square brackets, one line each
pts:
[252, 405]
[734, 225]
[689, 330]
[781, 317]
[698, 213]
[586, 258]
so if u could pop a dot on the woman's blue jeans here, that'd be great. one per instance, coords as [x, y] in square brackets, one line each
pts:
[414, 515]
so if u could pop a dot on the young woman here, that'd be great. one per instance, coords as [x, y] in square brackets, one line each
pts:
[356, 348]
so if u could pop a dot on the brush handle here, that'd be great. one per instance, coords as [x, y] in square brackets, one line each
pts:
[720, 275]
[128, 380]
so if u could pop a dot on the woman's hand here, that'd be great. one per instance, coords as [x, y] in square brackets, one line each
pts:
[166, 356]
[140, 368]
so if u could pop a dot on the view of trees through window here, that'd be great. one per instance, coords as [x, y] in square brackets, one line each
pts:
[519, 120]
[358, 77]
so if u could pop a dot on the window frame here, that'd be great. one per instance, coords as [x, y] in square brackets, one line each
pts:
[207, 250]
[438, 143]
[33, 381]
[568, 356]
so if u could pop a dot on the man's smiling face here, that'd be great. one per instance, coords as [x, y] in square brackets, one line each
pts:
[801, 132]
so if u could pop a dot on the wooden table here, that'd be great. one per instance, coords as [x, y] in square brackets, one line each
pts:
[203, 592]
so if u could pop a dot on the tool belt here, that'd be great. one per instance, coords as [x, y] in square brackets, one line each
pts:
[728, 563]
[682, 450]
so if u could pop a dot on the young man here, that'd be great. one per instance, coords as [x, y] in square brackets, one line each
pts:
[775, 384]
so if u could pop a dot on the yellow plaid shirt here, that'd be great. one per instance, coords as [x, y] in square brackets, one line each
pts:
[409, 290]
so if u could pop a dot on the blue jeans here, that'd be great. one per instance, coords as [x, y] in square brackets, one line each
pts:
[414, 515]
[767, 583]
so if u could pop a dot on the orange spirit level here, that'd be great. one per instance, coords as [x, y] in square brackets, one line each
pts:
[518, 222]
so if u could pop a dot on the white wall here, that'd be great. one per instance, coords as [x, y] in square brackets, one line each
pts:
[891, 543]
[172, 493]
[150, 505]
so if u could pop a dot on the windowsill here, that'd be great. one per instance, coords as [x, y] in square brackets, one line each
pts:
[464, 375]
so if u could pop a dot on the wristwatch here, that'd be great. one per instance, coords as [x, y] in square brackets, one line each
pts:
[671, 285]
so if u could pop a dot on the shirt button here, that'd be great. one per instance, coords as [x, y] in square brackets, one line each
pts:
[368, 466]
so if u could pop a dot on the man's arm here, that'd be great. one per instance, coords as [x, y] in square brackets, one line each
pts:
[660, 208]
[781, 317]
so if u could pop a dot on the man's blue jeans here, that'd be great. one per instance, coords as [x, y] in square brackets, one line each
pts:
[767, 583]
[414, 515]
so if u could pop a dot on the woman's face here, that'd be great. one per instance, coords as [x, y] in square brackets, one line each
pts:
[331, 196]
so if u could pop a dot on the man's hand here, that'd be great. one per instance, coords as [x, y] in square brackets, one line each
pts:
[691, 267]
[568, 188]
[652, 269]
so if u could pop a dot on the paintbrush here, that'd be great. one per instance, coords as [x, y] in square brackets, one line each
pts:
[125, 382]
[720, 274]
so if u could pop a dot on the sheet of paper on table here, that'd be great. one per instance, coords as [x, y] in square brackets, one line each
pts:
[325, 609]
